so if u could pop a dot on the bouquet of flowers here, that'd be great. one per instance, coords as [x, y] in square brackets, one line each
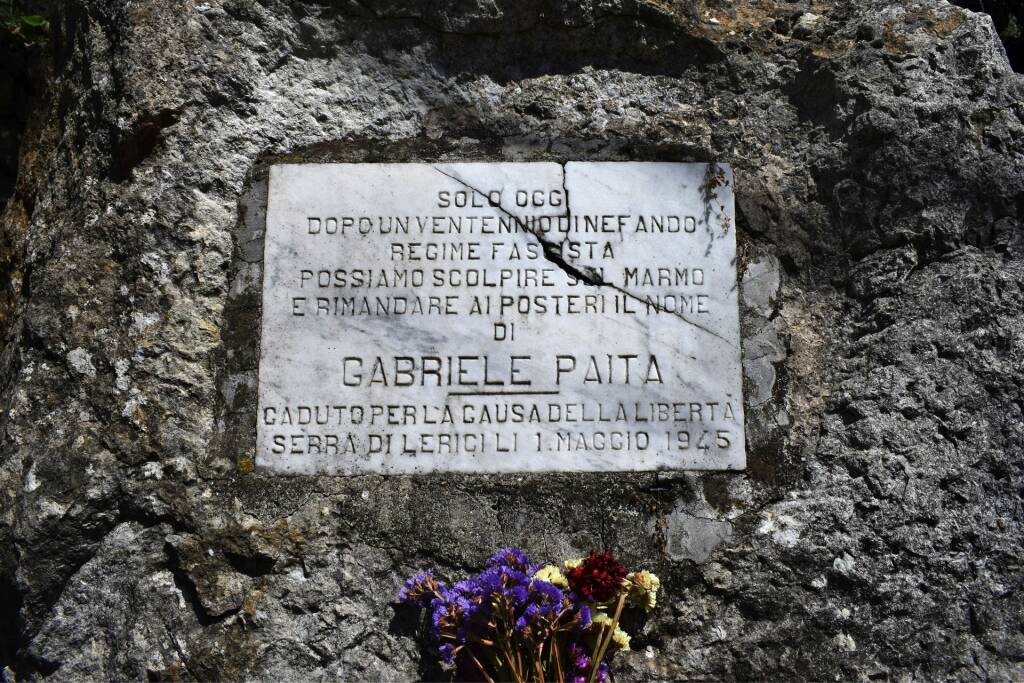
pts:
[519, 621]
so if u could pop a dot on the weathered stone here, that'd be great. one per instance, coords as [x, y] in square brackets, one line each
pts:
[761, 285]
[877, 154]
[690, 537]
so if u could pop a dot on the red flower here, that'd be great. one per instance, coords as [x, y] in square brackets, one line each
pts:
[598, 578]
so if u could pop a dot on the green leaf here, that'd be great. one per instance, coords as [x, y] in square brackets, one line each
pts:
[32, 28]
[33, 20]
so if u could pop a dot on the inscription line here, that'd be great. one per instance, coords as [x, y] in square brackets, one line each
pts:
[552, 392]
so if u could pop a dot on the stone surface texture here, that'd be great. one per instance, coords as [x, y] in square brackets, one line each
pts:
[877, 152]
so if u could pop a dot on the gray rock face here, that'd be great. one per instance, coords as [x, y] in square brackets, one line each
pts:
[878, 151]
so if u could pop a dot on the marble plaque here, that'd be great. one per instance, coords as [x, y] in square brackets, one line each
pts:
[499, 317]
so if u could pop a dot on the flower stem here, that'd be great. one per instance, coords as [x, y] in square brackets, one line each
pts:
[483, 672]
[558, 658]
[513, 669]
[605, 641]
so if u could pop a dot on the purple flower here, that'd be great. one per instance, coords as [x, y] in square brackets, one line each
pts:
[441, 610]
[548, 591]
[513, 558]
[579, 657]
[498, 579]
[518, 593]
[578, 678]
[505, 602]
[420, 589]
[462, 604]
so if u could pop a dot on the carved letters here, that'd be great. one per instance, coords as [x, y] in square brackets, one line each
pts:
[498, 318]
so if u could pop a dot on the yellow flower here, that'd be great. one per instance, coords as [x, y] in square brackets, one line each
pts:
[552, 574]
[572, 564]
[621, 639]
[643, 588]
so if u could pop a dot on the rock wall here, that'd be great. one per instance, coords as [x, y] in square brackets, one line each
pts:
[877, 149]
[17, 82]
[1008, 18]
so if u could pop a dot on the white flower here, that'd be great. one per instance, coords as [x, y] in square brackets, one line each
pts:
[552, 574]
[643, 588]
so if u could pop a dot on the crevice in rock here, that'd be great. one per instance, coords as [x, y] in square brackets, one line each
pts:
[254, 566]
[128, 512]
[814, 92]
[20, 79]
[138, 143]
[11, 633]
[186, 661]
[189, 592]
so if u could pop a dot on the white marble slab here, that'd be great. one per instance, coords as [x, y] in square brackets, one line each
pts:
[499, 317]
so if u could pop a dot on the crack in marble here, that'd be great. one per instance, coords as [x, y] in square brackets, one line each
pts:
[552, 253]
